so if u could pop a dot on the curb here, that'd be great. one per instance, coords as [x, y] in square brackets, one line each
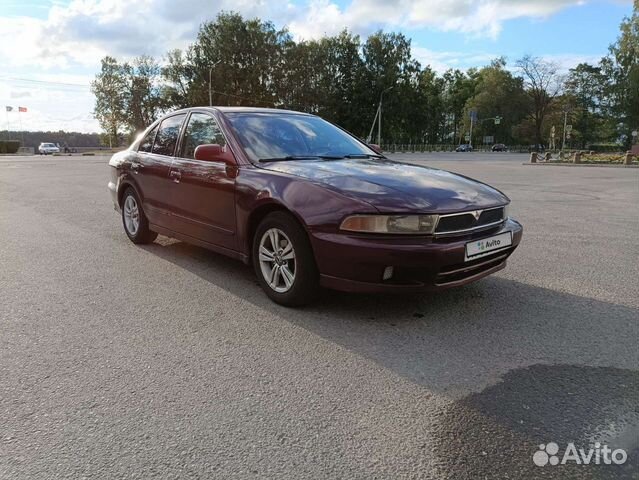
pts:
[557, 164]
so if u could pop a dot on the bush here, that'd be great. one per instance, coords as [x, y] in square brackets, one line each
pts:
[604, 147]
[9, 146]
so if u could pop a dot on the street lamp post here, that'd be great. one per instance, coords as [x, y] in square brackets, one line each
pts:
[563, 143]
[210, 93]
[379, 120]
[210, 75]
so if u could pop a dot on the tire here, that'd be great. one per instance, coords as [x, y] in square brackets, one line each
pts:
[134, 221]
[304, 284]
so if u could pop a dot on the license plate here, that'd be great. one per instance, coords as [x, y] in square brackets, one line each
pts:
[486, 246]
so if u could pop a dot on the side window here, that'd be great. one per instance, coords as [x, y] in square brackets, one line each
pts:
[147, 142]
[167, 136]
[202, 129]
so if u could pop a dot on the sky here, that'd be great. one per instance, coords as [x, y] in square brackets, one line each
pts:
[50, 50]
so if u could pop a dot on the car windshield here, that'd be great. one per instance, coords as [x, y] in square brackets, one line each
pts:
[48, 145]
[289, 136]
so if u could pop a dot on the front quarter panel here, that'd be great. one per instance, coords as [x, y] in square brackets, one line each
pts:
[316, 207]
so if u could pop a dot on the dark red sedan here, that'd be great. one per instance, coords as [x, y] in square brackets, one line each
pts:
[308, 204]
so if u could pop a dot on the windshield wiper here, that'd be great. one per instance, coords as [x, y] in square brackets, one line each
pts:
[290, 157]
[315, 157]
[353, 155]
[363, 155]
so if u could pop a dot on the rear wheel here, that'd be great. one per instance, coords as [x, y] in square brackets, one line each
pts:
[284, 261]
[135, 222]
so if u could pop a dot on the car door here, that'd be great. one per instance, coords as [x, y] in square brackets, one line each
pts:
[152, 165]
[203, 194]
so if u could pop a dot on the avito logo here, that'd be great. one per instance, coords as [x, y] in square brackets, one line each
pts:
[600, 455]
[481, 245]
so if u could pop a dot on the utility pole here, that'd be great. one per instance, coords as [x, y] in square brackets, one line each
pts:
[379, 123]
[379, 120]
[370, 134]
[210, 75]
[563, 143]
[210, 93]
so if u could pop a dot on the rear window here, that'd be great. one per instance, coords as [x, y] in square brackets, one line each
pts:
[167, 137]
[147, 142]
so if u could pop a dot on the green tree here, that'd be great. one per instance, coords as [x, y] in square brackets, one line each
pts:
[542, 83]
[458, 88]
[621, 67]
[584, 103]
[244, 58]
[127, 95]
[390, 68]
[497, 93]
[430, 107]
[175, 87]
[143, 100]
[250, 62]
[110, 90]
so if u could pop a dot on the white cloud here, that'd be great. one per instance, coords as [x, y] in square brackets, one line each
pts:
[475, 17]
[20, 94]
[443, 60]
[440, 61]
[566, 61]
[85, 30]
[75, 36]
[66, 104]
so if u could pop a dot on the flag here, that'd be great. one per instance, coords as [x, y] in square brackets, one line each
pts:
[9, 109]
[22, 109]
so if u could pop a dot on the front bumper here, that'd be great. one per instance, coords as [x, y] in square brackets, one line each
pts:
[356, 263]
[113, 190]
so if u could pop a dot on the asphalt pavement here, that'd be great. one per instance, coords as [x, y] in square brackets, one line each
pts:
[168, 361]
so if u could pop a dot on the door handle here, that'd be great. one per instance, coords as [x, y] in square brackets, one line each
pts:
[175, 175]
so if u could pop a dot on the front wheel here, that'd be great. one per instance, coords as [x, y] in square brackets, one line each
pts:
[283, 260]
[135, 222]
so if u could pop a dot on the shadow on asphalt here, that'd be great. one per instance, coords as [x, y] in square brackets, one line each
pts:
[454, 342]
[499, 429]
[522, 365]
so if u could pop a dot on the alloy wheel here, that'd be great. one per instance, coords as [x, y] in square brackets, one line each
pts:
[277, 260]
[131, 215]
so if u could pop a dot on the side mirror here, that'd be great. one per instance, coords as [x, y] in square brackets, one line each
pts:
[210, 152]
[375, 147]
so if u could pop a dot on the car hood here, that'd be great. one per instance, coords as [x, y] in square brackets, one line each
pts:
[392, 186]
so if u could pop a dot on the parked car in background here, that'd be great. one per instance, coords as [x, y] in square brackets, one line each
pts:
[499, 147]
[48, 148]
[308, 204]
[464, 147]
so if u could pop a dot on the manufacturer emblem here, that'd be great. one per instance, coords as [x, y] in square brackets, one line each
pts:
[476, 214]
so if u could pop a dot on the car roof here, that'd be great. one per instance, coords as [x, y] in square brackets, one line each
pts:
[227, 109]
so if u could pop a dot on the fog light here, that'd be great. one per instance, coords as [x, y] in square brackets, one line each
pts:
[388, 273]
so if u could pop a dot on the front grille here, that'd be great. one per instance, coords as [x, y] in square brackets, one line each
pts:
[455, 273]
[467, 221]
[491, 216]
[449, 274]
[455, 222]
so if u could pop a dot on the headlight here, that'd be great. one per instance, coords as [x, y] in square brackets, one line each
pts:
[414, 224]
